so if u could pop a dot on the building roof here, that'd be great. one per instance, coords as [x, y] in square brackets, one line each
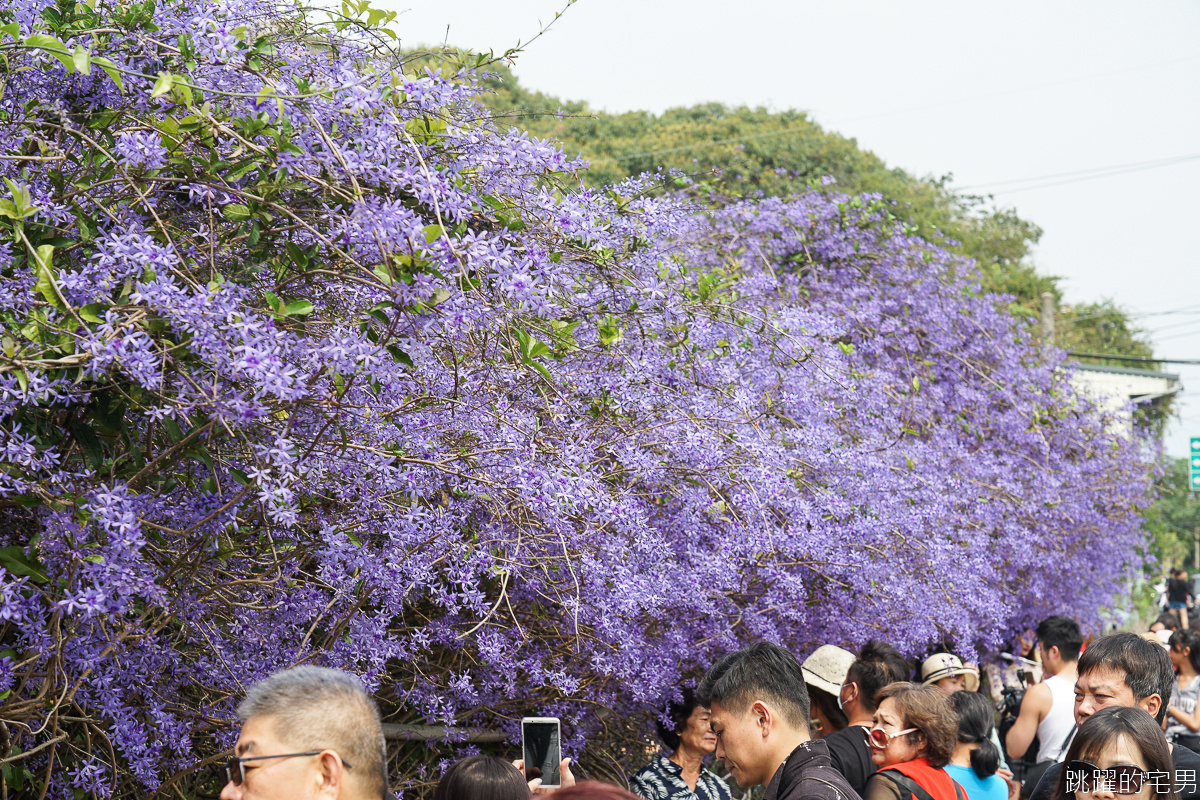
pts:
[1144, 373]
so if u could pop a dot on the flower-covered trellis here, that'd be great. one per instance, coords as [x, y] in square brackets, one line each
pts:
[304, 358]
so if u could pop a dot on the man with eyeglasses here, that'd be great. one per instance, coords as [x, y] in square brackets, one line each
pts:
[1123, 669]
[759, 712]
[308, 733]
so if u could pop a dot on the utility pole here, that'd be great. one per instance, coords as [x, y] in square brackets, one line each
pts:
[1047, 318]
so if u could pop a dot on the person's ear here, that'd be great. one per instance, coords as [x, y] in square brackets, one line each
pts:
[330, 774]
[854, 692]
[1054, 651]
[1151, 705]
[764, 717]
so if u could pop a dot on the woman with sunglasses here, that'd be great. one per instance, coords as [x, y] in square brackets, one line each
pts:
[1118, 752]
[911, 740]
[1184, 722]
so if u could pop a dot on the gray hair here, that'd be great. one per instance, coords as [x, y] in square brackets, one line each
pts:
[314, 708]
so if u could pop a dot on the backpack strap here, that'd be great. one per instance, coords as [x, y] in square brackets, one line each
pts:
[909, 785]
[958, 790]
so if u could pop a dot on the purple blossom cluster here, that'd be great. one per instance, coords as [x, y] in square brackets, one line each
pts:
[360, 378]
[140, 149]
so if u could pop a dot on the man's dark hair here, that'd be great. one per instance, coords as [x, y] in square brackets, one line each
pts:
[1063, 633]
[762, 671]
[678, 713]
[1146, 665]
[877, 665]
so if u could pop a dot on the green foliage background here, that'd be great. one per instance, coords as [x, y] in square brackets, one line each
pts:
[1174, 520]
[744, 151]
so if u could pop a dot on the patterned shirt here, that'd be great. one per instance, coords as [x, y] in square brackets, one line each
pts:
[662, 779]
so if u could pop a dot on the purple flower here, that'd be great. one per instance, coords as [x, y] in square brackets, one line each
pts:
[140, 149]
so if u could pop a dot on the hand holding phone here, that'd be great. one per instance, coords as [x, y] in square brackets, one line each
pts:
[541, 750]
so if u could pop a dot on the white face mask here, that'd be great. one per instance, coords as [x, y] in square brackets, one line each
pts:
[839, 697]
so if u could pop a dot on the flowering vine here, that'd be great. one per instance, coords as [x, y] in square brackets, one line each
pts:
[304, 358]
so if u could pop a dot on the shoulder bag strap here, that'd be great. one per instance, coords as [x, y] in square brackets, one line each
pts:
[908, 784]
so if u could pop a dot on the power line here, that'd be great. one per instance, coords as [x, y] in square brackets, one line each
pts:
[1108, 312]
[1110, 174]
[1181, 324]
[1088, 173]
[1179, 335]
[1140, 359]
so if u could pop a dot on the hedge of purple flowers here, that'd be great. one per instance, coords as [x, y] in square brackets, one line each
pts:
[304, 358]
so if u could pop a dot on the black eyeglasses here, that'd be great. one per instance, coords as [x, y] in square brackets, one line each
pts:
[1119, 779]
[235, 773]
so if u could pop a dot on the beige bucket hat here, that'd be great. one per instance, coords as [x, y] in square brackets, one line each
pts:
[826, 668]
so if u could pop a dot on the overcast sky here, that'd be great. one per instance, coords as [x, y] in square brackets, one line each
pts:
[993, 92]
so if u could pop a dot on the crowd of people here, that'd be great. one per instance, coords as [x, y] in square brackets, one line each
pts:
[1118, 717]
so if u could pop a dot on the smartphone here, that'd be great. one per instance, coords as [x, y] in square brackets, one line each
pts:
[541, 747]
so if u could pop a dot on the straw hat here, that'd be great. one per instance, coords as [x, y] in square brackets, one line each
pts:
[944, 665]
[826, 668]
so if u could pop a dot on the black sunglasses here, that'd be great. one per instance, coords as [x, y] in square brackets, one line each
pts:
[235, 773]
[1120, 779]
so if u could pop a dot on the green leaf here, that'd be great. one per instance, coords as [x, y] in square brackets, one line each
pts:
[400, 356]
[15, 560]
[296, 254]
[110, 69]
[173, 429]
[241, 169]
[45, 272]
[82, 60]
[236, 212]
[52, 46]
[89, 443]
[239, 476]
[21, 205]
[298, 308]
[162, 85]
[201, 452]
[384, 274]
[92, 311]
[12, 30]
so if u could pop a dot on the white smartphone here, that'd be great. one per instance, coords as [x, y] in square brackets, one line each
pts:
[541, 747]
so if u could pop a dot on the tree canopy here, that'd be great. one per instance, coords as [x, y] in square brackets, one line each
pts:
[755, 152]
